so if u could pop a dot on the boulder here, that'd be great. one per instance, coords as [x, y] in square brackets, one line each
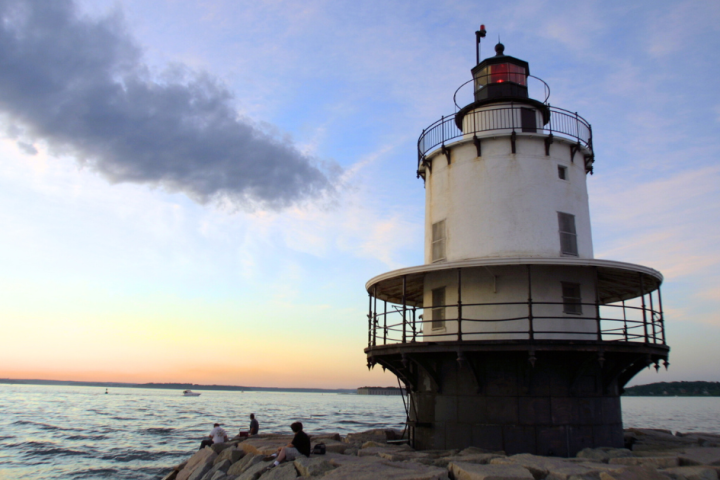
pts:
[233, 454]
[372, 443]
[201, 470]
[700, 456]
[265, 445]
[378, 435]
[200, 457]
[479, 458]
[540, 467]
[326, 437]
[691, 473]
[633, 473]
[654, 462]
[410, 456]
[603, 454]
[476, 450]
[312, 467]
[373, 451]
[254, 471]
[219, 447]
[244, 463]
[367, 469]
[335, 447]
[284, 471]
[657, 439]
[475, 471]
[337, 460]
[217, 467]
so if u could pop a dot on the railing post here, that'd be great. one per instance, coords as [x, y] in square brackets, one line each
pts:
[625, 330]
[652, 318]
[404, 320]
[597, 306]
[375, 322]
[369, 319]
[642, 296]
[577, 127]
[414, 326]
[531, 327]
[459, 306]
[385, 324]
[662, 316]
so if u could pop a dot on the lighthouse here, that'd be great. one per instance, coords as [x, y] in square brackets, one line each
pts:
[512, 335]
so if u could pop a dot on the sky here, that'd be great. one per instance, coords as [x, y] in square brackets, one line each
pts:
[197, 191]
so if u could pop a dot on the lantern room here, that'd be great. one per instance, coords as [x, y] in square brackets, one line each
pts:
[501, 77]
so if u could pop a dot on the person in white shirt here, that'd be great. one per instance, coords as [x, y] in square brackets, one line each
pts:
[217, 435]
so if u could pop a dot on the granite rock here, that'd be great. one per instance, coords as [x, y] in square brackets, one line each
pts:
[700, 456]
[603, 454]
[475, 471]
[244, 463]
[217, 467]
[691, 473]
[233, 454]
[479, 458]
[633, 473]
[201, 470]
[284, 471]
[376, 470]
[312, 467]
[254, 471]
[654, 462]
[200, 457]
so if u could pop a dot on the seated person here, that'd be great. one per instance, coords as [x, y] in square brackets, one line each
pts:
[300, 445]
[254, 425]
[217, 435]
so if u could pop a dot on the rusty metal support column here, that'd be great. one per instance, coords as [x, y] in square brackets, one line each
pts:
[459, 305]
[531, 327]
[662, 316]
[597, 306]
[642, 297]
[404, 310]
[385, 324]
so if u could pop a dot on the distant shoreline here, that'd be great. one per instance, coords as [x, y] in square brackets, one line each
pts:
[175, 386]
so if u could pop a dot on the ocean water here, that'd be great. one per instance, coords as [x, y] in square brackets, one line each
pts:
[51, 432]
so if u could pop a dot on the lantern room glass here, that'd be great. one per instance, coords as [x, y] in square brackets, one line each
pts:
[501, 73]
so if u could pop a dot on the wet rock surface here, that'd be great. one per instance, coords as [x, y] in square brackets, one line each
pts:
[377, 454]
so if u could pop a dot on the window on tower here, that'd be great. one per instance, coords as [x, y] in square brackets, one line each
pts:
[568, 235]
[562, 172]
[572, 303]
[438, 241]
[438, 310]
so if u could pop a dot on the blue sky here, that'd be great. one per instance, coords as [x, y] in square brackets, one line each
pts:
[110, 276]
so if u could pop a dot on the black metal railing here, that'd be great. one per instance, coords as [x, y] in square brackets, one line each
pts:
[563, 123]
[618, 322]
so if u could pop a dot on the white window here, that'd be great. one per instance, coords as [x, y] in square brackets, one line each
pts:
[568, 235]
[572, 303]
[438, 310]
[562, 172]
[438, 241]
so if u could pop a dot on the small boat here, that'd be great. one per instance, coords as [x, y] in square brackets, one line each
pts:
[190, 393]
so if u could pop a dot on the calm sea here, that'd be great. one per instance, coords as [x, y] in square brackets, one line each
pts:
[50, 432]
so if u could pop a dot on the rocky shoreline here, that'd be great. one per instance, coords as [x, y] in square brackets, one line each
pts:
[377, 455]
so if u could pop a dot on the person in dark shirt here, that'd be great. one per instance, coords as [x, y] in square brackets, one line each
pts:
[300, 445]
[254, 425]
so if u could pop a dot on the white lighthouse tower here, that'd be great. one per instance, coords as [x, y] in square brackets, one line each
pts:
[512, 336]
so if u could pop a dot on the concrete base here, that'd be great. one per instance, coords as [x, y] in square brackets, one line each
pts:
[498, 400]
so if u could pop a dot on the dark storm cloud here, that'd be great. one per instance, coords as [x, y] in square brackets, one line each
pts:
[81, 86]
